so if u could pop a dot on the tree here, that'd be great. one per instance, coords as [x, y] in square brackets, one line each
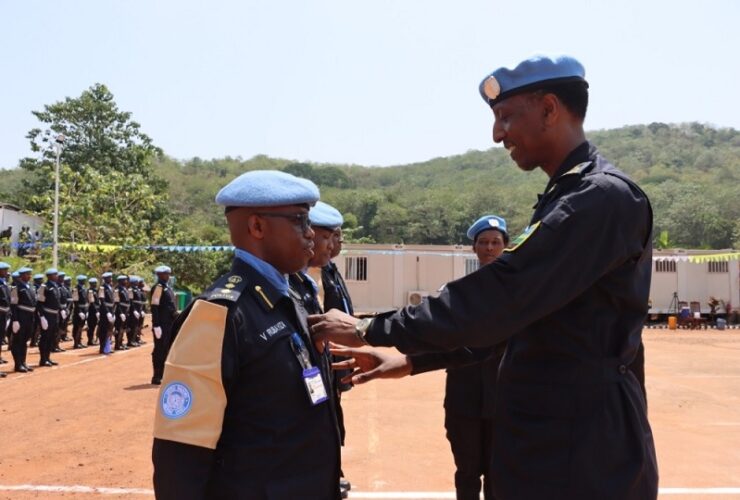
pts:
[108, 190]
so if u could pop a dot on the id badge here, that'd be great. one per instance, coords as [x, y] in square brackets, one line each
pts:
[314, 385]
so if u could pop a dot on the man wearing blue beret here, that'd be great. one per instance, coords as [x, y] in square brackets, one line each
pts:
[4, 306]
[49, 307]
[246, 408]
[164, 312]
[569, 295]
[107, 309]
[93, 311]
[23, 307]
[80, 310]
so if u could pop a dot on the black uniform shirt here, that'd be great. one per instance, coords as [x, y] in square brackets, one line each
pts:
[336, 295]
[571, 296]
[164, 310]
[248, 429]
[4, 297]
[80, 299]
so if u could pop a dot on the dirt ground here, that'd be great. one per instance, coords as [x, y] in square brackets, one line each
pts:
[88, 423]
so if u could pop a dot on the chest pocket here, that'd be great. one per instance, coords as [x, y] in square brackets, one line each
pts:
[268, 333]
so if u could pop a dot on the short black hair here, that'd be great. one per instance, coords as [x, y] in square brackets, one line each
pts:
[574, 95]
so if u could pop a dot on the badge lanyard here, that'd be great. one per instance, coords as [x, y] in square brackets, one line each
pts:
[311, 374]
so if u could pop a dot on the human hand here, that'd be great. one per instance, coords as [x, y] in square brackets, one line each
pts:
[369, 364]
[110, 317]
[81, 316]
[44, 323]
[122, 316]
[16, 326]
[64, 314]
[334, 326]
[137, 315]
[97, 315]
[157, 332]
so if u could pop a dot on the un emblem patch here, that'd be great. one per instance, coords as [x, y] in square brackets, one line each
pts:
[177, 399]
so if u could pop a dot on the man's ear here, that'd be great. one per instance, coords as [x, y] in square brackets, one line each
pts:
[256, 226]
[551, 109]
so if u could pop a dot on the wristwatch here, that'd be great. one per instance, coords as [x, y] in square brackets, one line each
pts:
[361, 329]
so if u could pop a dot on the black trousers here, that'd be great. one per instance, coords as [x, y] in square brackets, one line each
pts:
[48, 337]
[104, 331]
[161, 349]
[92, 323]
[77, 326]
[4, 331]
[471, 440]
[19, 340]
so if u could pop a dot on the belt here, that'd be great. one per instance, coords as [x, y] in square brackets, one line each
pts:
[140, 302]
[83, 307]
[4, 309]
[27, 308]
[109, 304]
[51, 311]
[125, 305]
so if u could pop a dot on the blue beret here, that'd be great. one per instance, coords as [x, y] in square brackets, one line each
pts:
[107, 274]
[134, 279]
[52, 270]
[27, 270]
[68, 278]
[163, 269]
[121, 277]
[81, 277]
[267, 188]
[484, 223]
[530, 75]
[4, 265]
[93, 280]
[324, 215]
[60, 273]
[15, 274]
[38, 276]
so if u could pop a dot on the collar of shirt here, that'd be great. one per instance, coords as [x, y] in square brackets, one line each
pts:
[578, 155]
[272, 275]
[311, 280]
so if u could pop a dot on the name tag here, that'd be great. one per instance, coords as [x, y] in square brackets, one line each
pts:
[314, 385]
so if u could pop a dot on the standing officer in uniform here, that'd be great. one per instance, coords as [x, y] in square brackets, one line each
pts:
[48, 306]
[471, 389]
[38, 280]
[141, 303]
[23, 306]
[132, 322]
[80, 310]
[107, 309]
[4, 307]
[123, 304]
[164, 312]
[245, 410]
[93, 312]
[65, 295]
[570, 295]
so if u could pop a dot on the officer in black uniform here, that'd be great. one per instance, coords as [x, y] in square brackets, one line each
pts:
[245, 410]
[107, 309]
[65, 302]
[134, 313]
[23, 306]
[141, 303]
[80, 310]
[38, 280]
[48, 306]
[4, 307]
[470, 389]
[122, 301]
[93, 311]
[164, 312]
[570, 295]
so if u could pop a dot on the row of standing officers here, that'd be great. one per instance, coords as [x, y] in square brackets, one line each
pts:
[38, 313]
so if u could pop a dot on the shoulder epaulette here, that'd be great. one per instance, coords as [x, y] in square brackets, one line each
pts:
[228, 287]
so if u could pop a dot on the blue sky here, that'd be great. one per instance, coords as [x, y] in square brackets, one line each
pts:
[378, 82]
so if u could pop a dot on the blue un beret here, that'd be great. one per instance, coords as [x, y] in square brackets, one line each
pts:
[485, 223]
[38, 276]
[107, 274]
[133, 279]
[267, 188]
[529, 75]
[4, 265]
[15, 274]
[52, 270]
[324, 215]
[81, 277]
[121, 277]
[24, 269]
[93, 280]
[163, 269]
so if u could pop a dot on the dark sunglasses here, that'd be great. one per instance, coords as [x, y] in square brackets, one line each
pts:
[300, 220]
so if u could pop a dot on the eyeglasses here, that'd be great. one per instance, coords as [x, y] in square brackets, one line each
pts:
[300, 220]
